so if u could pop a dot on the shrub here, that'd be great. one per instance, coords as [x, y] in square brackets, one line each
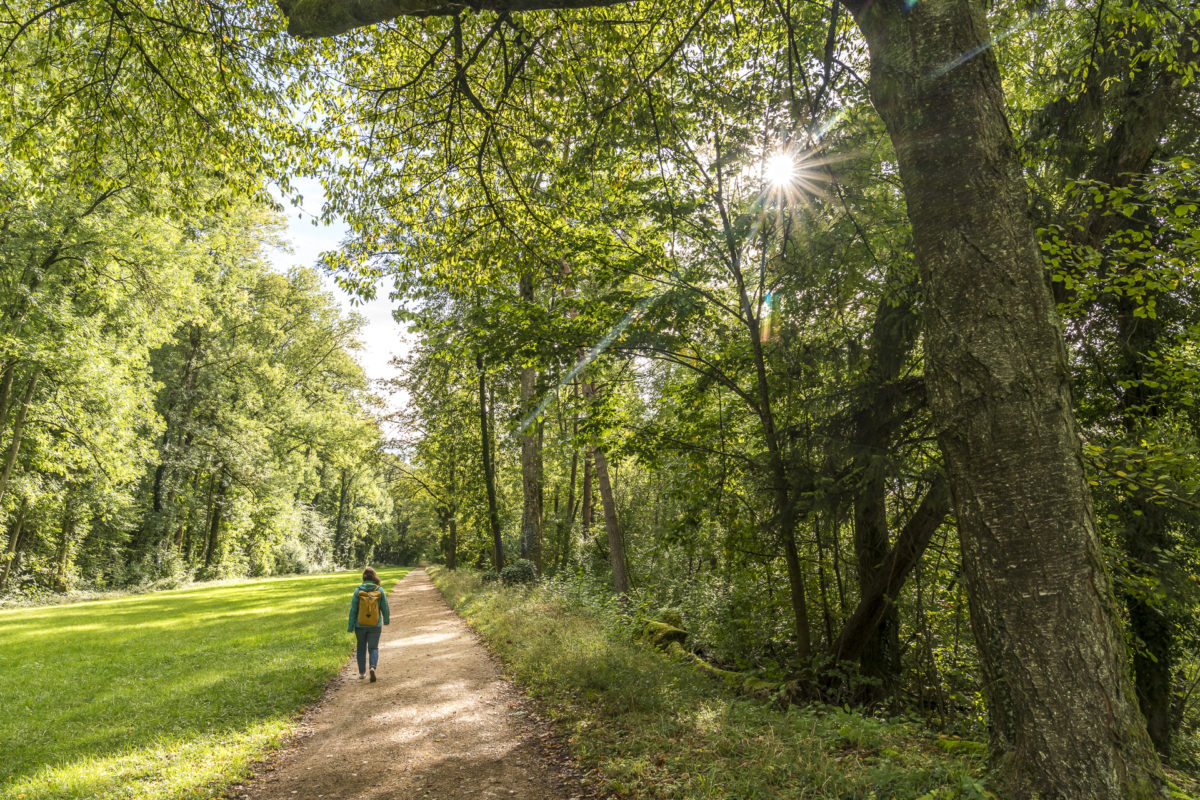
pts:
[491, 576]
[521, 571]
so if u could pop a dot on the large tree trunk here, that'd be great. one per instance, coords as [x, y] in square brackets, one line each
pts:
[616, 545]
[1055, 674]
[489, 469]
[1112, 134]
[587, 513]
[567, 518]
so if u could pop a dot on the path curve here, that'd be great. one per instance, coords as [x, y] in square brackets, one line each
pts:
[440, 724]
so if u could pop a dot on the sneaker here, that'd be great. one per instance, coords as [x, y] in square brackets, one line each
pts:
[372, 674]
[362, 675]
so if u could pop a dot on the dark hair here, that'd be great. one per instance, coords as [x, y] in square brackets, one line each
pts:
[370, 575]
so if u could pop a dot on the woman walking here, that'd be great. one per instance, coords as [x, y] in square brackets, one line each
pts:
[368, 614]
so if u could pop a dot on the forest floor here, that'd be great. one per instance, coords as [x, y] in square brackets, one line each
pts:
[440, 724]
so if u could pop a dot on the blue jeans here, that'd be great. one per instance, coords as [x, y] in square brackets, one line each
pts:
[368, 639]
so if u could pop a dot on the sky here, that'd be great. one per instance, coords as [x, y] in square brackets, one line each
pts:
[382, 337]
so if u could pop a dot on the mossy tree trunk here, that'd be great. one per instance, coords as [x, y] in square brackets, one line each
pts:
[1055, 667]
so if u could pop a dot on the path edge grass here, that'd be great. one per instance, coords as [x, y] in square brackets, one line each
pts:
[642, 725]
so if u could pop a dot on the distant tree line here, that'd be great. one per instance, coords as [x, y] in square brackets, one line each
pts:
[170, 407]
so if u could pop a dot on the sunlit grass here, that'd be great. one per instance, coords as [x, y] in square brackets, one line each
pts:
[650, 727]
[168, 695]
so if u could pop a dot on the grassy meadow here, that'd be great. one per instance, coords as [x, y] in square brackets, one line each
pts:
[166, 695]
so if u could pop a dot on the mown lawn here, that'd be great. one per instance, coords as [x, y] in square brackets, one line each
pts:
[167, 695]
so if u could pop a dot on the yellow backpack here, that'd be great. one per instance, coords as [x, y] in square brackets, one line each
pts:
[368, 607]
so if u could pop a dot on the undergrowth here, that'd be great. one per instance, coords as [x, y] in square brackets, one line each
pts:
[651, 727]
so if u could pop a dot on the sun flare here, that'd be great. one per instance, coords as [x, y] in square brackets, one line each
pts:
[780, 169]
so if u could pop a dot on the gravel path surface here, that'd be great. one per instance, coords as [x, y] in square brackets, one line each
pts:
[440, 723]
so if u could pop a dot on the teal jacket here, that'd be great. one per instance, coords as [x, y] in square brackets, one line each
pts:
[384, 614]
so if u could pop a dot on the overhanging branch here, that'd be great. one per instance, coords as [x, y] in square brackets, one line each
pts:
[311, 19]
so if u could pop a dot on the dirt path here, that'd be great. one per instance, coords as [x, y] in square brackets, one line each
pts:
[440, 723]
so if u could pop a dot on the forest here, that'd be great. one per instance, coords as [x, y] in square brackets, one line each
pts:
[861, 339]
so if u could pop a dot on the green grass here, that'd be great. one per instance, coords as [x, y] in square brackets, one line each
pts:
[167, 695]
[650, 727]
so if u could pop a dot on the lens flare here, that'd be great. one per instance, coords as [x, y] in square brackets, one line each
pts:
[780, 169]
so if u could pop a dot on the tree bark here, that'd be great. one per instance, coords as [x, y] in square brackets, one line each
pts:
[489, 469]
[616, 546]
[567, 518]
[861, 630]
[14, 544]
[883, 407]
[531, 456]
[18, 430]
[880, 655]
[6, 382]
[62, 558]
[452, 544]
[1055, 675]
[1112, 133]
[341, 549]
[587, 513]
[216, 516]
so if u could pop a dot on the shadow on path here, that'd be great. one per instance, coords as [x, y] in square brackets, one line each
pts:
[440, 723]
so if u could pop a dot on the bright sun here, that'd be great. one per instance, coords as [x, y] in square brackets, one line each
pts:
[780, 169]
